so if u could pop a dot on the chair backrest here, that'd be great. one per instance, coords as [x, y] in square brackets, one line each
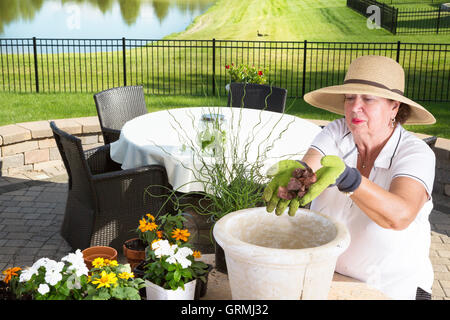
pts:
[430, 141]
[76, 165]
[116, 106]
[257, 96]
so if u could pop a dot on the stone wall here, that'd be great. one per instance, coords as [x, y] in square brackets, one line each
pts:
[30, 147]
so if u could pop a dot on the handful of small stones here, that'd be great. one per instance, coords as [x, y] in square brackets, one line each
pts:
[298, 185]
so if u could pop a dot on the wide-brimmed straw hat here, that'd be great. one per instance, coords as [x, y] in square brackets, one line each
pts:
[372, 75]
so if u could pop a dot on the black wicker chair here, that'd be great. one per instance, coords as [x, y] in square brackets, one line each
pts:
[430, 141]
[116, 106]
[257, 96]
[105, 203]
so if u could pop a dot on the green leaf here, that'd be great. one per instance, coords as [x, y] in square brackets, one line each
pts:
[177, 275]
[119, 293]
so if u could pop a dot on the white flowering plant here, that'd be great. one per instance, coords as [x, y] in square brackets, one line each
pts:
[70, 279]
[171, 265]
[48, 279]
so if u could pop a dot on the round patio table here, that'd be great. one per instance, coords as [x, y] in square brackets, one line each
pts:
[171, 138]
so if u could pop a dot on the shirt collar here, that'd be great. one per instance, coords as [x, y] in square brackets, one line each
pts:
[384, 159]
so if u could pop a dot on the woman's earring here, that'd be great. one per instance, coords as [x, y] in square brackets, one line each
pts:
[393, 122]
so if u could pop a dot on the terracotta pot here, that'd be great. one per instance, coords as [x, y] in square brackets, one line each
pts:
[91, 253]
[134, 256]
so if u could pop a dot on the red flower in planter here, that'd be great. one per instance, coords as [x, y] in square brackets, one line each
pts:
[260, 73]
[227, 66]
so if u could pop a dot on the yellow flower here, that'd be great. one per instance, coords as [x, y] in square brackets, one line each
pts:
[111, 263]
[98, 262]
[150, 217]
[126, 275]
[197, 254]
[178, 234]
[9, 273]
[106, 280]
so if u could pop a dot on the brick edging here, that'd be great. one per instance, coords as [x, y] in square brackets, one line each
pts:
[30, 146]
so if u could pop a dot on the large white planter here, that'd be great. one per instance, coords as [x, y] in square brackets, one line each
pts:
[155, 292]
[273, 257]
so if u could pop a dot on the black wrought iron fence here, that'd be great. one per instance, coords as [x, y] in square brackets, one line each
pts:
[421, 21]
[197, 67]
[406, 20]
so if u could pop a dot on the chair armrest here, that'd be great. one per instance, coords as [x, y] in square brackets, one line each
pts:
[126, 188]
[99, 160]
[110, 135]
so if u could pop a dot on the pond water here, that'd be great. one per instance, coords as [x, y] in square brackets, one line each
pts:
[97, 19]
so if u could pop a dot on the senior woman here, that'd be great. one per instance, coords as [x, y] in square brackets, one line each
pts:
[373, 176]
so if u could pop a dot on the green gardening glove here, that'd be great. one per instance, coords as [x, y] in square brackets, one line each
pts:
[334, 172]
[281, 173]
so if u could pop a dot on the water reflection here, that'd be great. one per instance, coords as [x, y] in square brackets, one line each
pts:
[25, 11]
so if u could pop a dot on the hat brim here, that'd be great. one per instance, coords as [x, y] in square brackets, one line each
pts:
[332, 99]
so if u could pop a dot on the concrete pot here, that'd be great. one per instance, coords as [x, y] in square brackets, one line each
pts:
[272, 257]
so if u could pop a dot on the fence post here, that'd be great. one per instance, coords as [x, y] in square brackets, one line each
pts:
[304, 68]
[398, 52]
[124, 54]
[438, 20]
[214, 66]
[36, 75]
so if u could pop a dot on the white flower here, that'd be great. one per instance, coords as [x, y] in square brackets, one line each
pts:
[26, 274]
[184, 252]
[43, 262]
[43, 288]
[171, 260]
[74, 258]
[163, 248]
[77, 263]
[181, 255]
[53, 276]
[184, 262]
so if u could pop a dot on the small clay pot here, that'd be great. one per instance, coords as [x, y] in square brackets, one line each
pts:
[92, 253]
[134, 251]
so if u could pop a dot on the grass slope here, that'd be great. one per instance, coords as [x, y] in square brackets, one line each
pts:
[292, 20]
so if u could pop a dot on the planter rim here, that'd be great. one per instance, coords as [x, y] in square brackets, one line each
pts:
[276, 256]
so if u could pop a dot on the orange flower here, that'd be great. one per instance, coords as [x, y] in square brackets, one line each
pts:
[159, 234]
[147, 226]
[178, 234]
[197, 254]
[9, 273]
[150, 217]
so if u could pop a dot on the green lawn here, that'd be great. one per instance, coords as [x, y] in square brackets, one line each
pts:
[293, 20]
[181, 71]
[25, 107]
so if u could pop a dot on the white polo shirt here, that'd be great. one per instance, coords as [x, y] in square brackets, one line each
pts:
[395, 262]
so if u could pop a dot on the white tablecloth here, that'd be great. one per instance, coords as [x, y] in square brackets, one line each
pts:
[158, 138]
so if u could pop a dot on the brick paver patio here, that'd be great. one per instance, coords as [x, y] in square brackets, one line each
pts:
[31, 213]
